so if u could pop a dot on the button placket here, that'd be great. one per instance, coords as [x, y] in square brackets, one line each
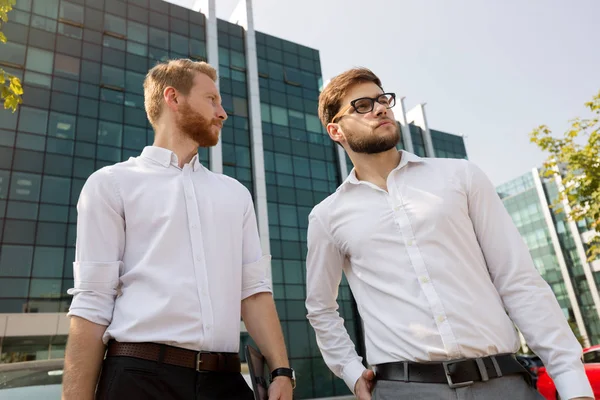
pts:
[197, 243]
[404, 225]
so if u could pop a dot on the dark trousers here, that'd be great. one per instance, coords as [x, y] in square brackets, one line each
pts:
[132, 379]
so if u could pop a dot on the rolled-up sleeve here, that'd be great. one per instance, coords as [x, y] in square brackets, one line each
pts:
[528, 299]
[99, 249]
[255, 265]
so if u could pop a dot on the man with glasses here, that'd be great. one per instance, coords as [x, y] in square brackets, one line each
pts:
[439, 271]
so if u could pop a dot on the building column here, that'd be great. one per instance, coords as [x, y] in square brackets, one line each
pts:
[341, 155]
[589, 276]
[209, 8]
[418, 117]
[404, 129]
[560, 256]
[243, 16]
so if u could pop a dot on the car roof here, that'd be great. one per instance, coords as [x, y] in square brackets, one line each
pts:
[37, 364]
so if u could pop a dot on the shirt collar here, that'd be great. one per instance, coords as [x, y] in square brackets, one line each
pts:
[167, 158]
[405, 158]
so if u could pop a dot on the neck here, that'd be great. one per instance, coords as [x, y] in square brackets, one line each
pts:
[170, 138]
[375, 168]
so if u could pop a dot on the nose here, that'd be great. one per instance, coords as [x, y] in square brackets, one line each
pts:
[221, 114]
[379, 109]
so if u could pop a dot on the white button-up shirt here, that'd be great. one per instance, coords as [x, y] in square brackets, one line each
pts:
[166, 254]
[433, 264]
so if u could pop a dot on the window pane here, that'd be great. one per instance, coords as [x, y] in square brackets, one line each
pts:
[11, 287]
[56, 190]
[197, 48]
[48, 262]
[113, 76]
[134, 138]
[62, 125]
[70, 31]
[137, 32]
[66, 66]
[4, 178]
[35, 79]
[137, 48]
[45, 24]
[22, 210]
[71, 11]
[109, 134]
[240, 107]
[134, 82]
[113, 43]
[15, 261]
[13, 53]
[159, 38]
[19, 232]
[33, 120]
[279, 115]
[39, 60]
[9, 120]
[45, 288]
[46, 8]
[25, 186]
[114, 24]
[179, 44]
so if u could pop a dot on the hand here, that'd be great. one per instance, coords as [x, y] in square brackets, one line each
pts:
[364, 385]
[281, 388]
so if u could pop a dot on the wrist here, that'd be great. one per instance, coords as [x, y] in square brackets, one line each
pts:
[284, 372]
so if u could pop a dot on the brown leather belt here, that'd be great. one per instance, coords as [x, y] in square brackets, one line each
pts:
[200, 361]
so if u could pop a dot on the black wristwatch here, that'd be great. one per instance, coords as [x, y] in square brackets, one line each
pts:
[289, 372]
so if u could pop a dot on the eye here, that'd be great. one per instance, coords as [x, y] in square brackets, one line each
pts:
[363, 105]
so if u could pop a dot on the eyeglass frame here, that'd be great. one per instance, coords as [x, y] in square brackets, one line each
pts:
[373, 100]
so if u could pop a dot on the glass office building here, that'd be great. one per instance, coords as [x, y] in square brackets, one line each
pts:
[557, 248]
[82, 64]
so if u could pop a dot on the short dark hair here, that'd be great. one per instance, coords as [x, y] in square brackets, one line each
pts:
[331, 97]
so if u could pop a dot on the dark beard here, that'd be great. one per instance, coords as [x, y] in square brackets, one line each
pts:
[372, 144]
[197, 127]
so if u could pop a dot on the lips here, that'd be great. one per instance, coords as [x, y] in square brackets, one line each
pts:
[385, 122]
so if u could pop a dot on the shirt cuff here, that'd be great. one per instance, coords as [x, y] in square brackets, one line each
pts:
[351, 372]
[573, 384]
[255, 277]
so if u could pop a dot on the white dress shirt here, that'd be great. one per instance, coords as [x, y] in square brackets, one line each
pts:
[433, 263]
[166, 254]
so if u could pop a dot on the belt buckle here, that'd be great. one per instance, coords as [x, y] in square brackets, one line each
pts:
[198, 361]
[452, 384]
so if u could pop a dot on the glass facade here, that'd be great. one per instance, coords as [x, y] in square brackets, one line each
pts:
[82, 65]
[301, 168]
[447, 145]
[524, 204]
[416, 135]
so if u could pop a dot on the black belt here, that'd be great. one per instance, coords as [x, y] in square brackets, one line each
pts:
[456, 373]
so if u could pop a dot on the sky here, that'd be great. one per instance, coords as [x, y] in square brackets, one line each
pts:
[491, 71]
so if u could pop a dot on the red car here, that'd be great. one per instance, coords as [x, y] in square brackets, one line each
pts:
[591, 360]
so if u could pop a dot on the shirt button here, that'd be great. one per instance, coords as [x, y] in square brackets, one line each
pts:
[441, 318]
[397, 208]
[424, 279]
[198, 258]
[410, 242]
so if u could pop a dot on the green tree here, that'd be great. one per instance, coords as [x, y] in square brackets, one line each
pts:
[10, 85]
[576, 157]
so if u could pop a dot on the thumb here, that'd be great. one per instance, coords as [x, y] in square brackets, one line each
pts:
[368, 374]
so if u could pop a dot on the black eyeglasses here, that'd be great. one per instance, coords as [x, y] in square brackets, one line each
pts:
[365, 105]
